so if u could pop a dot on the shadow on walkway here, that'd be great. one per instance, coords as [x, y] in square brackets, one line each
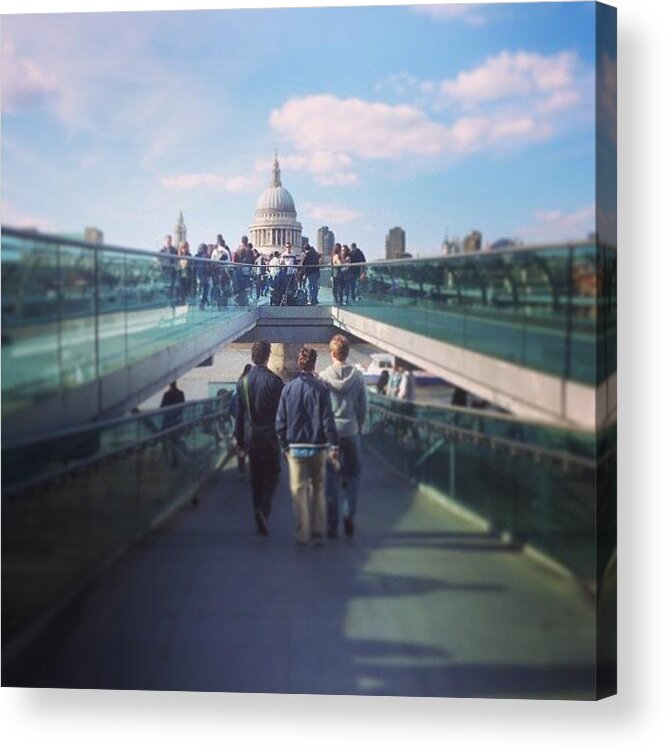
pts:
[420, 603]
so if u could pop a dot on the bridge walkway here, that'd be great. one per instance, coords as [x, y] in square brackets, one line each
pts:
[421, 603]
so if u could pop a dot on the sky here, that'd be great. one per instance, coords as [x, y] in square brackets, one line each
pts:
[438, 119]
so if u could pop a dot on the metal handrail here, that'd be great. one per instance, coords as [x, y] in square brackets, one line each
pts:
[105, 424]
[561, 457]
[54, 238]
[74, 466]
[472, 412]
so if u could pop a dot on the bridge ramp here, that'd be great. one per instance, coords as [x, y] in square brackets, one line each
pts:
[421, 603]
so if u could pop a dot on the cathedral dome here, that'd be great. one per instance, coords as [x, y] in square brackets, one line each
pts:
[276, 198]
[275, 220]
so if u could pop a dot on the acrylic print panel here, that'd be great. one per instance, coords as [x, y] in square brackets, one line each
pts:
[402, 221]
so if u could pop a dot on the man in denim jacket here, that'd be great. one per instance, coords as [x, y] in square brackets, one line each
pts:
[306, 430]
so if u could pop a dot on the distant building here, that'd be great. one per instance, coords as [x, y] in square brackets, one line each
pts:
[305, 241]
[325, 241]
[505, 243]
[451, 246]
[180, 231]
[472, 243]
[89, 234]
[93, 235]
[395, 243]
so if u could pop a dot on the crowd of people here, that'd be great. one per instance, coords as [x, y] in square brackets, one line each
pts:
[246, 275]
[315, 422]
[347, 270]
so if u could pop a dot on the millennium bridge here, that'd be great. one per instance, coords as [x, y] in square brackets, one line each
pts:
[484, 561]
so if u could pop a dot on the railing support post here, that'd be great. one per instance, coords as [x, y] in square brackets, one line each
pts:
[452, 469]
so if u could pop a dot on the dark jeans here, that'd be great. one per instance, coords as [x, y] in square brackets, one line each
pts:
[352, 284]
[337, 290]
[343, 291]
[342, 486]
[313, 288]
[205, 284]
[264, 455]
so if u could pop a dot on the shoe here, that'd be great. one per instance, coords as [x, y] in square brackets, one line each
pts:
[349, 527]
[317, 540]
[262, 528]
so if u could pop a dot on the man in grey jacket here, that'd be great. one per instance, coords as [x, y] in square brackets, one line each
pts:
[350, 405]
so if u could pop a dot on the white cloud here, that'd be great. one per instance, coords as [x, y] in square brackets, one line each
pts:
[555, 225]
[228, 184]
[509, 99]
[527, 81]
[513, 74]
[374, 130]
[25, 82]
[13, 217]
[371, 130]
[559, 100]
[472, 15]
[326, 167]
[119, 94]
[332, 214]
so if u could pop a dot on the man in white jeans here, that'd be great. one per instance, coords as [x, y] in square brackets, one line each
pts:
[306, 430]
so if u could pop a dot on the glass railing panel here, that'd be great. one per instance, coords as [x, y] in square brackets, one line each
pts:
[100, 490]
[73, 312]
[112, 309]
[535, 307]
[534, 482]
[30, 332]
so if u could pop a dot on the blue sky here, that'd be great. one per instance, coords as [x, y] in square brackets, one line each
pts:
[434, 118]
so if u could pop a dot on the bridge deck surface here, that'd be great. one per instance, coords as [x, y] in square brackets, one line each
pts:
[420, 603]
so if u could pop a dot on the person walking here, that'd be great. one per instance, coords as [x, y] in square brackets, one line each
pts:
[336, 273]
[383, 382]
[306, 429]
[244, 258]
[394, 381]
[288, 283]
[407, 389]
[261, 274]
[221, 251]
[172, 445]
[172, 396]
[356, 259]
[288, 258]
[350, 407]
[311, 272]
[169, 267]
[258, 397]
[344, 274]
[204, 271]
[185, 273]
